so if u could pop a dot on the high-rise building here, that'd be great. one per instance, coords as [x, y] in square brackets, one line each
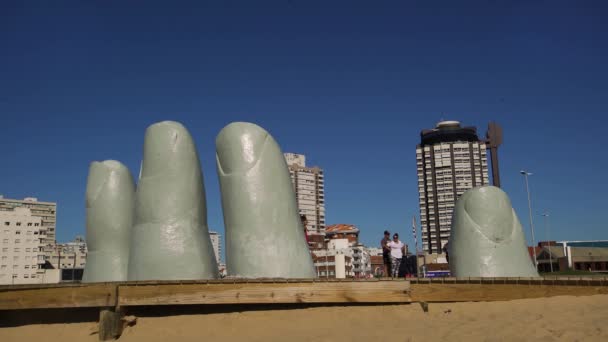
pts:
[309, 186]
[21, 256]
[217, 245]
[450, 159]
[46, 211]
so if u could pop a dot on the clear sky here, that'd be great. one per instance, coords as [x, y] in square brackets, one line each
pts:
[348, 84]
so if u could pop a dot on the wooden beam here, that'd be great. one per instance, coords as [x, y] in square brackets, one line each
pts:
[438, 292]
[96, 295]
[265, 293]
[111, 324]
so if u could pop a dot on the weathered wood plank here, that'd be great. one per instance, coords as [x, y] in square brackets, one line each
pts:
[265, 293]
[59, 297]
[110, 323]
[495, 292]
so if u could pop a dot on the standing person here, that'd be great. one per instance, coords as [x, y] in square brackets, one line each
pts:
[397, 250]
[386, 252]
[304, 224]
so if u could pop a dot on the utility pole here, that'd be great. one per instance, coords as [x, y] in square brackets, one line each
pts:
[526, 174]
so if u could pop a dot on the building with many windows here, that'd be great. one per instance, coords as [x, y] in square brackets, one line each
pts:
[309, 185]
[21, 241]
[217, 245]
[450, 159]
[46, 211]
[69, 258]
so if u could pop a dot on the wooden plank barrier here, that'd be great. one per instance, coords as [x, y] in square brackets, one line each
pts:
[265, 293]
[93, 295]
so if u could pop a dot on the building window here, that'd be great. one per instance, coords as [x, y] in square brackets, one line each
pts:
[6, 223]
[17, 240]
[18, 223]
[17, 232]
[29, 224]
[36, 224]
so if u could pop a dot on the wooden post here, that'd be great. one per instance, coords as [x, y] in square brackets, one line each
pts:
[110, 323]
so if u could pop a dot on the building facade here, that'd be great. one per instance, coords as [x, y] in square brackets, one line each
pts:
[21, 241]
[342, 256]
[309, 185]
[217, 245]
[450, 159]
[69, 258]
[46, 211]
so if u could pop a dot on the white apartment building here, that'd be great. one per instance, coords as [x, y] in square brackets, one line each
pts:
[217, 246]
[309, 186]
[450, 159]
[342, 259]
[46, 211]
[21, 256]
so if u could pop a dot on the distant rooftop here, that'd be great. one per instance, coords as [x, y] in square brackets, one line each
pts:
[448, 131]
[341, 228]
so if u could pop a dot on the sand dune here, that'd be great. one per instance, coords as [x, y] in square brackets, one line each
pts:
[546, 319]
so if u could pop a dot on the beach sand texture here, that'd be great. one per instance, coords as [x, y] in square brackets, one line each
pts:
[547, 319]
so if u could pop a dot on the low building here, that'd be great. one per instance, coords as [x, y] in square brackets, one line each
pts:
[69, 258]
[593, 259]
[343, 231]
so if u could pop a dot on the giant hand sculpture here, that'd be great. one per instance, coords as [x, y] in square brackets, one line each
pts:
[109, 205]
[170, 237]
[264, 234]
[487, 239]
[160, 231]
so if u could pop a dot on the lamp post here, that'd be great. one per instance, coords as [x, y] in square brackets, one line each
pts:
[546, 216]
[526, 174]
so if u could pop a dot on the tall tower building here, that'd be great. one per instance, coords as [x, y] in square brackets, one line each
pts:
[217, 245]
[450, 159]
[46, 211]
[308, 183]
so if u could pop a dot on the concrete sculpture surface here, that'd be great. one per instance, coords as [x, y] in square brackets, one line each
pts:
[487, 239]
[170, 238]
[110, 198]
[264, 233]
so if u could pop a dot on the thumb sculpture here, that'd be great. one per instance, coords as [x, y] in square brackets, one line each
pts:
[109, 209]
[170, 238]
[264, 234]
[486, 238]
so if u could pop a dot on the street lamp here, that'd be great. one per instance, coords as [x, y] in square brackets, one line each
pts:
[526, 174]
[546, 216]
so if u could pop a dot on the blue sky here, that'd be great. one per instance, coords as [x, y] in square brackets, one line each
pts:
[348, 84]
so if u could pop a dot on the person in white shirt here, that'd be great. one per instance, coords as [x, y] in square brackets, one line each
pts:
[397, 251]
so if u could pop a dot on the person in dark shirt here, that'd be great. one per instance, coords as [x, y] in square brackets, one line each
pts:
[304, 221]
[445, 251]
[386, 252]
